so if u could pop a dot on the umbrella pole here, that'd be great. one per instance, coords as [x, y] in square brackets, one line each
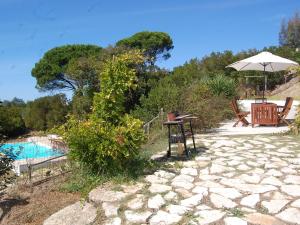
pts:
[265, 84]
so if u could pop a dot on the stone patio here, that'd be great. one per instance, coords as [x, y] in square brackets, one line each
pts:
[236, 180]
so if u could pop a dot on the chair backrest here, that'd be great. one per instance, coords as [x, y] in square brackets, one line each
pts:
[287, 107]
[234, 106]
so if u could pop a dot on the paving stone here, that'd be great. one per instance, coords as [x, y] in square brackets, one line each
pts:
[171, 195]
[220, 201]
[164, 174]
[182, 184]
[250, 200]
[184, 177]
[192, 201]
[274, 206]
[291, 215]
[209, 184]
[292, 179]
[278, 195]
[208, 216]
[203, 207]
[99, 195]
[184, 193]
[156, 179]
[137, 217]
[216, 168]
[226, 192]
[113, 221]
[200, 190]
[159, 188]
[137, 202]
[272, 180]
[110, 209]
[243, 167]
[262, 219]
[296, 203]
[273, 172]
[292, 190]
[134, 188]
[255, 178]
[177, 209]
[189, 171]
[234, 221]
[256, 188]
[288, 170]
[164, 218]
[156, 202]
[75, 214]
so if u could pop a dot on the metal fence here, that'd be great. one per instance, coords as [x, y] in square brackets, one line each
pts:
[37, 159]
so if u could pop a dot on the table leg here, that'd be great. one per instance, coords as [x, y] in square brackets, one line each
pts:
[169, 135]
[191, 127]
[184, 140]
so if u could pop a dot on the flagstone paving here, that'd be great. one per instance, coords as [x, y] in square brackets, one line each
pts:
[235, 181]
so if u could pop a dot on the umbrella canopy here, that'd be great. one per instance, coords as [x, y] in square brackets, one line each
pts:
[264, 61]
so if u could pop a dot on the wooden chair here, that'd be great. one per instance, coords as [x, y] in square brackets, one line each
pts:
[241, 116]
[283, 111]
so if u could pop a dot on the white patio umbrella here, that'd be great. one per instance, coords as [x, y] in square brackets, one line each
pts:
[264, 61]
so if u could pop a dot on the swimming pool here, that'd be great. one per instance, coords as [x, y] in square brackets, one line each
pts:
[28, 150]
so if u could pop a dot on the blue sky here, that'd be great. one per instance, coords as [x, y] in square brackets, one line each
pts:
[28, 28]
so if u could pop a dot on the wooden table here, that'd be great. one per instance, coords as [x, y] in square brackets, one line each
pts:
[264, 114]
[180, 121]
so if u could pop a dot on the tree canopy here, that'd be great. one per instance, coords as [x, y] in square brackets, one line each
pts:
[52, 72]
[289, 34]
[154, 44]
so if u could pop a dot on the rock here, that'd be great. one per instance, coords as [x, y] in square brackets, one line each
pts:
[113, 221]
[220, 201]
[203, 207]
[291, 215]
[192, 201]
[216, 168]
[159, 188]
[292, 179]
[164, 218]
[274, 173]
[292, 190]
[177, 209]
[209, 184]
[208, 216]
[171, 196]
[156, 202]
[243, 167]
[110, 209]
[234, 221]
[100, 195]
[262, 219]
[76, 214]
[136, 203]
[200, 190]
[226, 192]
[132, 189]
[250, 200]
[189, 171]
[184, 177]
[256, 188]
[274, 206]
[184, 193]
[255, 178]
[164, 174]
[272, 180]
[155, 179]
[137, 217]
[182, 184]
[296, 203]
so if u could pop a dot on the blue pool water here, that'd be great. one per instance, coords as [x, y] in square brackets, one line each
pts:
[28, 150]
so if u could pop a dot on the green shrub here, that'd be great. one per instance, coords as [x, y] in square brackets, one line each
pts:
[11, 121]
[222, 85]
[210, 109]
[109, 139]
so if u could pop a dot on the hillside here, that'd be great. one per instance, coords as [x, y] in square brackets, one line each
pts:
[291, 89]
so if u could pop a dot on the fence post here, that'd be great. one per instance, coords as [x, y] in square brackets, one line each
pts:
[162, 118]
[30, 177]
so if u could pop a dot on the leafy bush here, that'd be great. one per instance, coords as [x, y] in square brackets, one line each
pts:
[109, 139]
[210, 109]
[222, 85]
[297, 120]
